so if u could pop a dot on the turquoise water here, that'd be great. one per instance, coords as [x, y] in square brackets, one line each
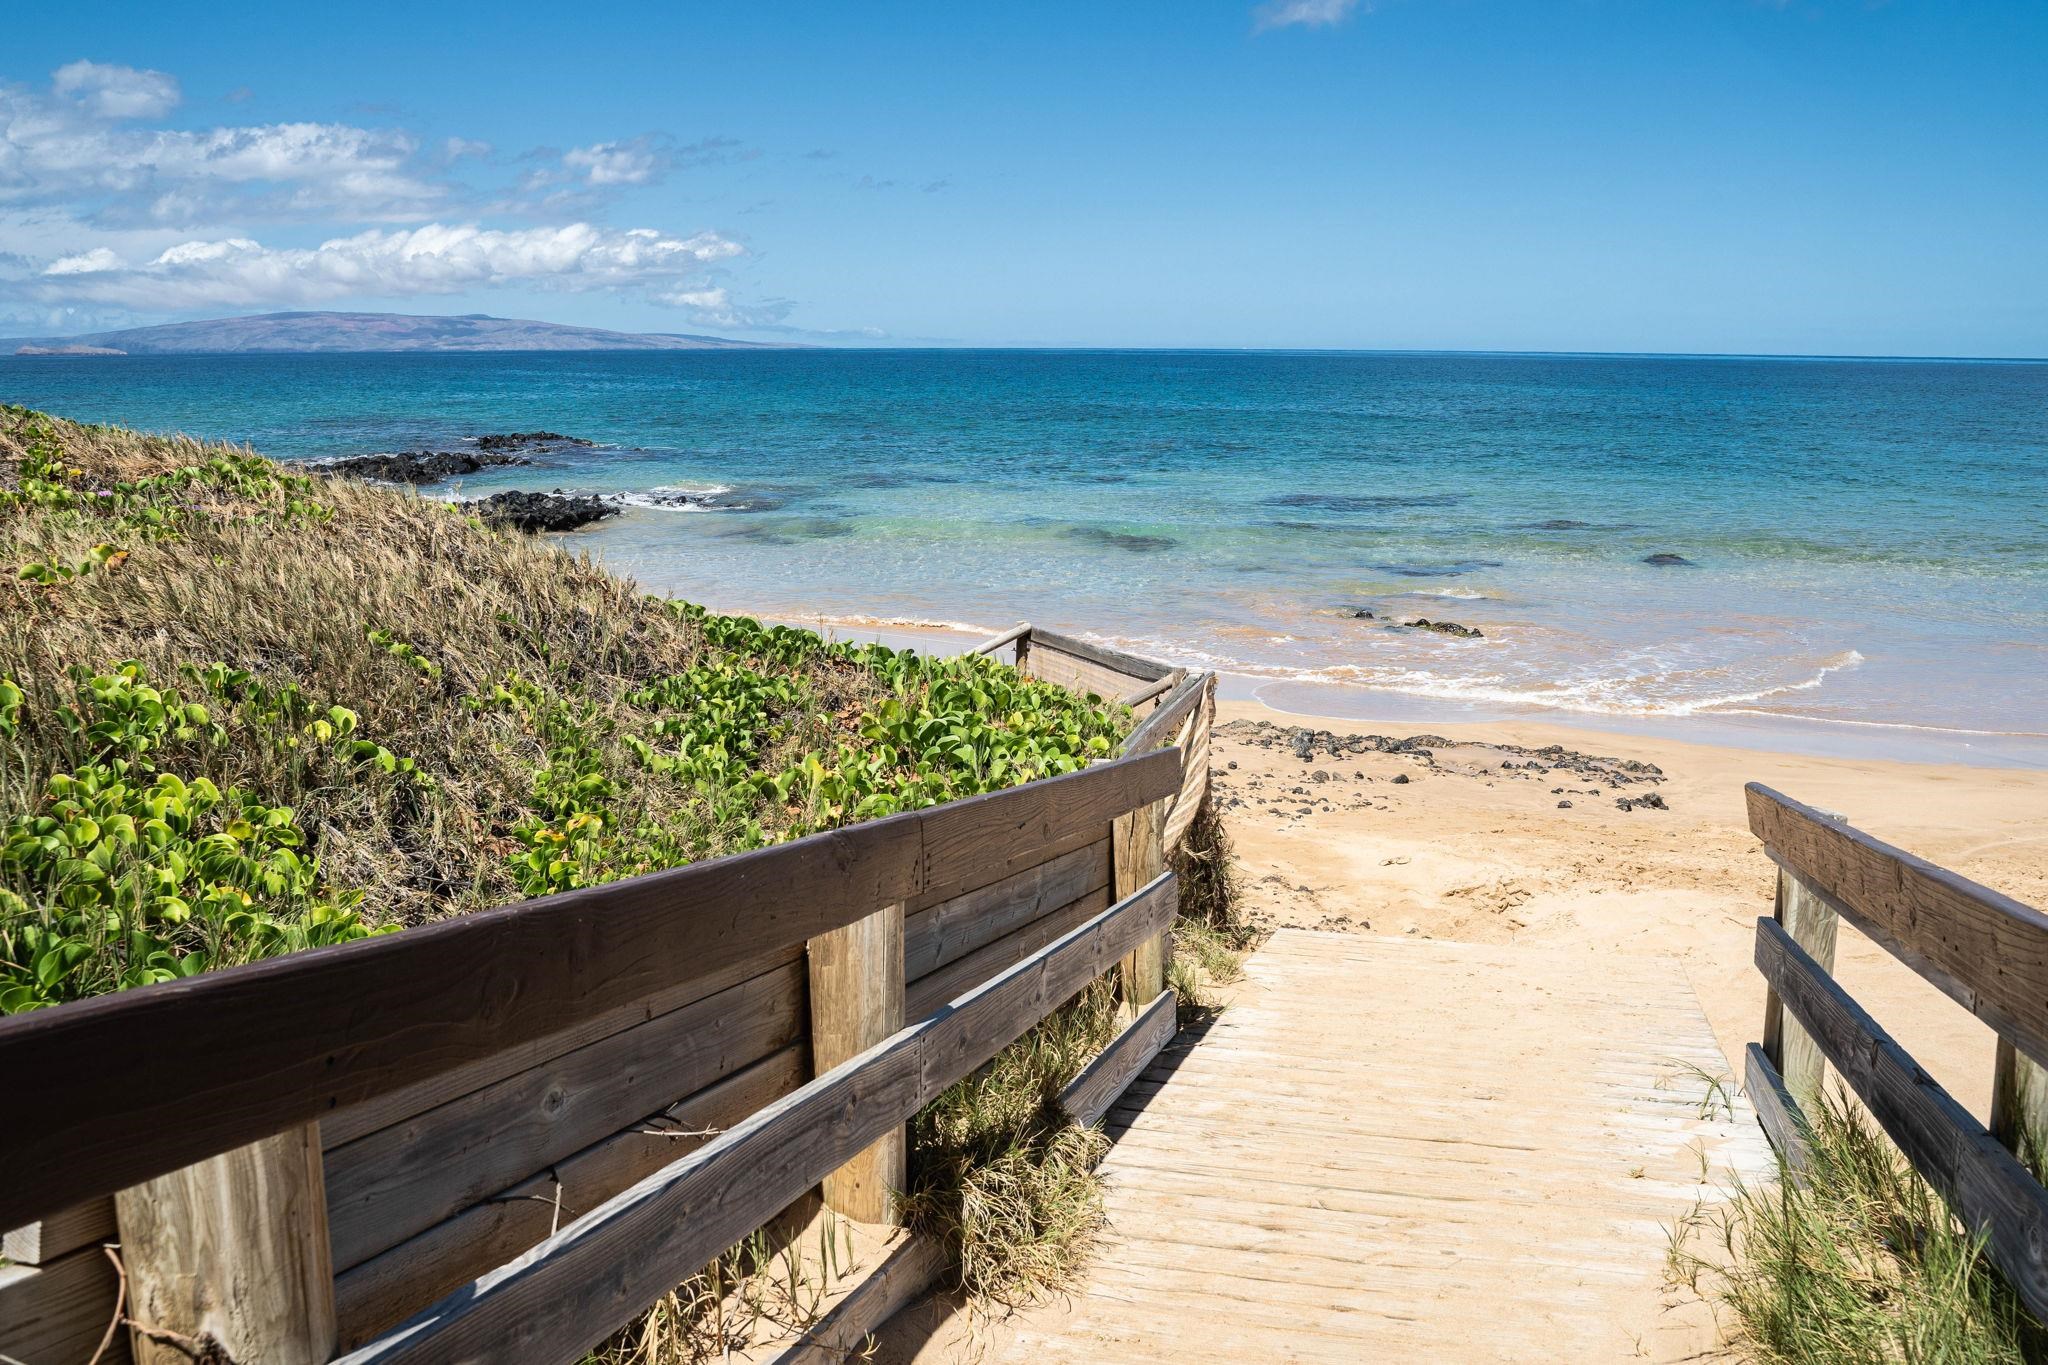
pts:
[1868, 540]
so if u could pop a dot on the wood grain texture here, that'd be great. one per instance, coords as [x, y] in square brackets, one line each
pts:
[397, 1283]
[1089, 1095]
[1987, 951]
[215, 1061]
[1135, 667]
[62, 1232]
[1784, 1122]
[902, 1269]
[1008, 637]
[2019, 1108]
[1812, 923]
[933, 990]
[1081, 676]
[950, 930]
[1988, 1189]
[608, 1265]
[233, 1248]
[57, 1314]
[344, 1126]
[1151, 691]
[1331, 1170]
[1137, 855]
[401, 1180]
[856, 977]
[1165, 720]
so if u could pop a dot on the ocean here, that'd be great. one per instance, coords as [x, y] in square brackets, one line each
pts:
[1865, 543]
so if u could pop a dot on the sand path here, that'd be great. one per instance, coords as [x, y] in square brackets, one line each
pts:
[1461, 954]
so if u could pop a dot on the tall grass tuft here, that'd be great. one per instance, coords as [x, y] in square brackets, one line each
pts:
[1210, 934]
[1862, 1264]
[998, 1172]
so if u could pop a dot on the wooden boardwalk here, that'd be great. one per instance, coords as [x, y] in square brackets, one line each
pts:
[1402, 1149]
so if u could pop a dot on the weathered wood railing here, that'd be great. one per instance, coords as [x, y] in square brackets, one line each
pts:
[1177, 708]
[1986, 951]
[501, 1136]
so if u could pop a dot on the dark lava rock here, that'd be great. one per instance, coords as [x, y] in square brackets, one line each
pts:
[1451, 628]
[1667, 560]
[1653, 801]
[528, 440]
[1564, 805]
[416, 466]
[1400, 779]
[1362, 615]
[556, 511]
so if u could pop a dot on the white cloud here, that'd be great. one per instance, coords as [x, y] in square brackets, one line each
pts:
[237, 272]
[116, 92]
[1303, 13]
[105, 209]
[614, 163]
[84, 263]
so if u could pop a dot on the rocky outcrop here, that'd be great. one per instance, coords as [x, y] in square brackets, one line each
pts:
[556, 511]
[416, 466]
[1450, 628]
[528, 440]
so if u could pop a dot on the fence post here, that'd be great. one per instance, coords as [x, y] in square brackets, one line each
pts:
[2019, 1107]
[232, 1250]
[856, 976]
[1137, 853]
[1812, 923]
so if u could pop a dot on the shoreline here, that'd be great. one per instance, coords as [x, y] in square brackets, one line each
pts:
[1336, 705]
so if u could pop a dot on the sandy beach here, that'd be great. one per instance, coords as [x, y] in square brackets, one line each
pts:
[1470, 848]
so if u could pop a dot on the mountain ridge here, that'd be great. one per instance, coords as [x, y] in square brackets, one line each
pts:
[313, 332]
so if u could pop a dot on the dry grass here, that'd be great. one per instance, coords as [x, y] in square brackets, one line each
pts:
[504, 672]
[1862, 1265]
[1211, 936]
[998, 1172]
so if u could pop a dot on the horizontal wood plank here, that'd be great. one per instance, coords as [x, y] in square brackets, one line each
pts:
[1133, 666]
[1089, 1095]
[1077, 675]
[994, 839]
[904, 1268]
[63, 1231]
[57, 1314]
[1780, 1116]
[359, 1120]
[995, 874]
[1008, 637]
[1987, 951]
[215, 1061]
[1988, 1189]
[952, 929]
[389, 1287]
[385, 1187]
[607, 1266]
[1160, 727]
[932, 990]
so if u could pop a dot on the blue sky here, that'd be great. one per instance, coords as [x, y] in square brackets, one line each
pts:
[1813, 176]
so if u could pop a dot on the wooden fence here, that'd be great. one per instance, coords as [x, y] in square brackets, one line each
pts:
[1178, 707]
[503, 1135]
[1987, 952]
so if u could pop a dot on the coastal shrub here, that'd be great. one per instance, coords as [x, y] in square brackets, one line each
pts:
[446, 718]
[245, 710]
[1863, 1263]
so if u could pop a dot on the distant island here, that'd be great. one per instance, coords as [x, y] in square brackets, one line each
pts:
[275, 333]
